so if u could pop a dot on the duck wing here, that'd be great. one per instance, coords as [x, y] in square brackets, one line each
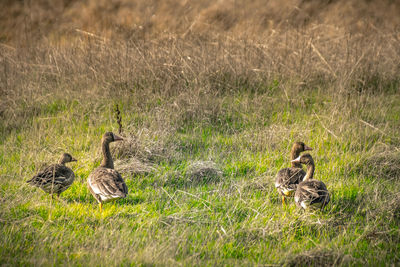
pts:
[53, 179]
[107, 184]
[289, 178]
[312, 192]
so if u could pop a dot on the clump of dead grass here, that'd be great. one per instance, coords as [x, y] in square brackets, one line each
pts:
[140, 151]
[203, 172]
[384, 164]
[394, 207]
[134, 166]
[389, 206]
[144, 147]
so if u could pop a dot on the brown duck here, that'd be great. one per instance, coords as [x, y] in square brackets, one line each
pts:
[105, 183]
[287, 179]
[55, 178]
[310, 192]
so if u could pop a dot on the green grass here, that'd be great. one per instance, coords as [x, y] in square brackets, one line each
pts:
[238, 219]
[245, 125]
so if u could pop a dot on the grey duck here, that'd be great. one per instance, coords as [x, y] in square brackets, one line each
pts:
[287, 179]
[310, 192]
[55, 178]
[104, 182]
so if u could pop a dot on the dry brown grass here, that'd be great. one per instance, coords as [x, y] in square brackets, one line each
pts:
[203, 172]
[197, 74]
[133, 166]
[146, 19]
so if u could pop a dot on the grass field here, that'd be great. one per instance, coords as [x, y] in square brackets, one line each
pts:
[208, 121]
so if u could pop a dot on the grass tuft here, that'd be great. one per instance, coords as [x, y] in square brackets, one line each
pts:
[133, 166]
[200, 172]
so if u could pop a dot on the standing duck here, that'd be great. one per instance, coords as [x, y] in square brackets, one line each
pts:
[55, 178]
[310, 192]
[287, 179]
[104, 182]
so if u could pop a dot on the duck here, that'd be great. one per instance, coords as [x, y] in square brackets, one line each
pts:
[287, 179]
[55, 178]
[105, 183]
[310, 192]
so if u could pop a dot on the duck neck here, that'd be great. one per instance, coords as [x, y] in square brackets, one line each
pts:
[107, 158]
[294, 153]
[61, 161]
[310, 171]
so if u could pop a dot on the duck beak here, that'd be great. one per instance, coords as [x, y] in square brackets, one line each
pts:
[307, 148]
[118, 138]
[74, 159]
[297, 160]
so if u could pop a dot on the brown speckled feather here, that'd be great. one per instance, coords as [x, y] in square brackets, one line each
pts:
[311, 192]
[106, 184]
[54, 179]
[287, 179]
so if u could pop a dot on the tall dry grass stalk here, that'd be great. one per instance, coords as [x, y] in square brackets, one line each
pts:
[188, 69]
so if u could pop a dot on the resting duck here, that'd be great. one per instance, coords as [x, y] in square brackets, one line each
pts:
[55, 178]
[287, 179]
[105, 183]
[310, 192]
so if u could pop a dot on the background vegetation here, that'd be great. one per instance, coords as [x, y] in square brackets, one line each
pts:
[212, 96]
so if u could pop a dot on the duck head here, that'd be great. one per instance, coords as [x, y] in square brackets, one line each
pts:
[109, 137]
[300, 147]
[65, 158]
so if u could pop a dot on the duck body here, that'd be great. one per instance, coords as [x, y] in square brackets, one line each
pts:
[310, 193]
[287, 179]
[105, 183]
[55, 178]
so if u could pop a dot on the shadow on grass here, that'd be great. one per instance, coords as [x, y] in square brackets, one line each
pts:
[346, 208]
[130, 200]
[346, 204]
[317, 258]
[184, 182]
